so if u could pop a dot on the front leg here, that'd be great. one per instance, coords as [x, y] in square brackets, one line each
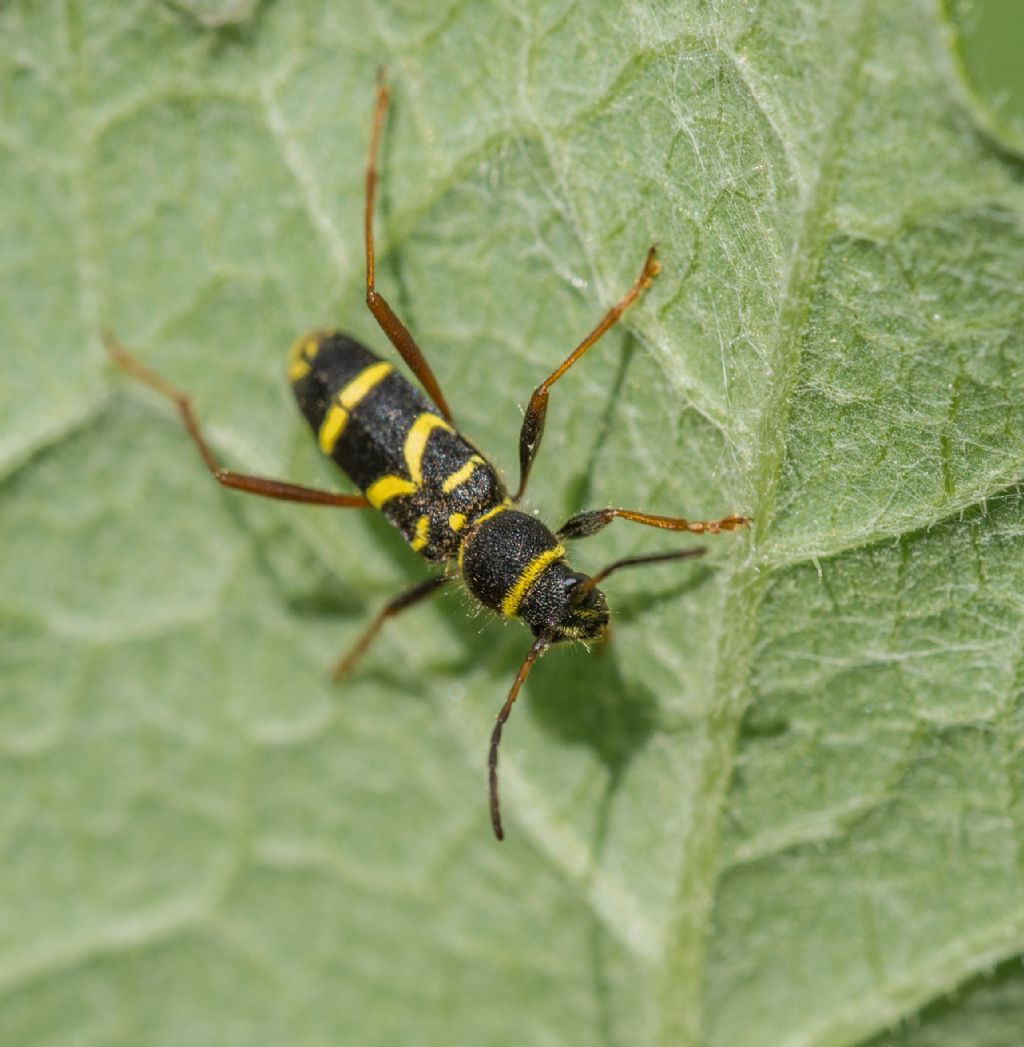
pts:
[584, 524]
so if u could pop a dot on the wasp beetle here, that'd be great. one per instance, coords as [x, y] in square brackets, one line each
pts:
[401, 449]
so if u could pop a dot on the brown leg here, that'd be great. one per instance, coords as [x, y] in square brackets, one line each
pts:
[583, 525]
[540, 645]
[403, 600]
[399, 334]
[239, 481]
[537, 409]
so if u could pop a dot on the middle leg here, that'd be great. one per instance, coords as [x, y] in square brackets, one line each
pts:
[405, 599]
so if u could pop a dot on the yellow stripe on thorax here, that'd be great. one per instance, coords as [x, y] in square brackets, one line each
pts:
[507, 504]
[337, 414]
[531, 572]
[416, 443]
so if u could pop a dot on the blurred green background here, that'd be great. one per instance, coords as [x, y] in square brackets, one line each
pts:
[986, 38]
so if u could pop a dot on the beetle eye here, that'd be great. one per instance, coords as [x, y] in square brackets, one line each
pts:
[578, 595]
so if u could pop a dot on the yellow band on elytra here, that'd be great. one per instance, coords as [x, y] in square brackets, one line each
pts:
[416, 443]
[301, 356]
[388, 487]
[334, 421]
[462, 474]
[422, 535]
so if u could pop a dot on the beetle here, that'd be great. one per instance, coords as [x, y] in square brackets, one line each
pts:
[403, 451]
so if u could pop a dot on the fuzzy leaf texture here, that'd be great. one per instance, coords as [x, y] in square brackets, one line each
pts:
[784, 806]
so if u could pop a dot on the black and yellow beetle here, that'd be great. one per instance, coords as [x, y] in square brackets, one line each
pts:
[403, 452]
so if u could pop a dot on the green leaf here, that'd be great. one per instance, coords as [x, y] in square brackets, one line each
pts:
[987, 73]
[784, 806]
